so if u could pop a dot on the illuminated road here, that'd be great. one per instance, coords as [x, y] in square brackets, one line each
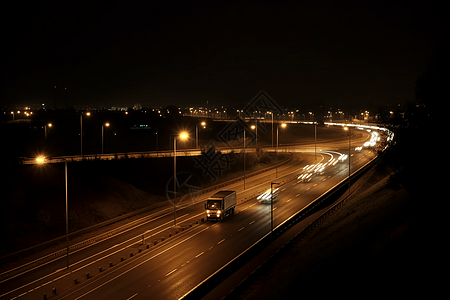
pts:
[170, 269]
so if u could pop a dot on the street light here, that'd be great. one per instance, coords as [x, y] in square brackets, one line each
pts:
[349, 154]
[269, 112]
[49, 125]
[103, 125]
[81, 128]
[256, 129]
[41, 160]
[196, 133]
[283, 125]
[183, 136]
[244, 159]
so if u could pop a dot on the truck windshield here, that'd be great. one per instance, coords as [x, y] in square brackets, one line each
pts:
[213, 204]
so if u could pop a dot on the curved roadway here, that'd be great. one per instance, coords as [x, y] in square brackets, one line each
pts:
[169, 269]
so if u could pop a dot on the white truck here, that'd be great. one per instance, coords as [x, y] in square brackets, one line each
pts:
[220, 205]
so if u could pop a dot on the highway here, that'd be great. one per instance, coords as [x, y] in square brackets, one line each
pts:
[193, 250]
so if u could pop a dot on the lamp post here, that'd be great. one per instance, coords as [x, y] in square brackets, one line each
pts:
[244, 159]
[49, 125]
[81, 133]
[349, 154]
[41, 160]
[283, 125]
[272, 128]
[183, 136]
[67, 216]
[103, 125]
[197, 134]
[315, 141]
[256, 129]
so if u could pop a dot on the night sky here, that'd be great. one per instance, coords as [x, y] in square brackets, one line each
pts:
[302, 53]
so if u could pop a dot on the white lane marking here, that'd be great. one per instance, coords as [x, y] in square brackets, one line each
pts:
[132, 296]
[171, 272]
[251, 222]
[241, 228]
[219, 242]
[289, 200]
[200, 254]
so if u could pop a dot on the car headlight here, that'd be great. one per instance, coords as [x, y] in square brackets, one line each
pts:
[218, 212]
[207, 211]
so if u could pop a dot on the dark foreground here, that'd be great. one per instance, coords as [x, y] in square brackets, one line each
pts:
[379, 244]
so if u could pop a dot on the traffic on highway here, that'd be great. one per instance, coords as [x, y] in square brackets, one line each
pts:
[149, 257]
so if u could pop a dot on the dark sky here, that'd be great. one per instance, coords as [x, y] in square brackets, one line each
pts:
[157, 53]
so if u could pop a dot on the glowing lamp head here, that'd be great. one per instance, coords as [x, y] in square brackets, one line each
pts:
[283, 125]
[40, 159]
[184, 135]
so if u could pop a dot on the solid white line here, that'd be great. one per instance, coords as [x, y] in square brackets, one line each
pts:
[171, 272]
[132, 296]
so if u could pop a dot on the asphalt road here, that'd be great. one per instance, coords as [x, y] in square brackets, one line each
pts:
[171, 268]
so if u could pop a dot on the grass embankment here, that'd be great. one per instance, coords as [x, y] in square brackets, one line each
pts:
[378, 244]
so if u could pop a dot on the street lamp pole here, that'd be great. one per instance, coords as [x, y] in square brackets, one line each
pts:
[41, 160]
[244, 159]
[315, 141]
[349, 155]
[174, 179]
[67, 216]
[81, 134]
[256, 129]
[107, 125]
[276, 168]
[183, 136]
[81, 129]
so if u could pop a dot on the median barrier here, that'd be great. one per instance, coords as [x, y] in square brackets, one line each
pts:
[207, 285]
